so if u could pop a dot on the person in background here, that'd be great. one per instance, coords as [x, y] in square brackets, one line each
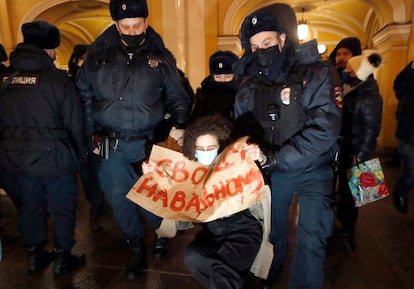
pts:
[291, 97]
[77, 58]
[42, 143]
[361, 125]
[343, 51]
[89, 171]
[217, 91]
[404, 91]
[127, 84]
[3, 58]
[223, 251]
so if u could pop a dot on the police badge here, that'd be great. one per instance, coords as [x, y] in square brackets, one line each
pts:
[285, 95]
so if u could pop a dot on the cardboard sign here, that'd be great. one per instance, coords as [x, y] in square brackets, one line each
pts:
[181, 189]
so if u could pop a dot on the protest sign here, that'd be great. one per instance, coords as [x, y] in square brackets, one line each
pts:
[181, 189]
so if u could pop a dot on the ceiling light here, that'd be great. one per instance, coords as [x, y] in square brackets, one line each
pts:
[303, 28]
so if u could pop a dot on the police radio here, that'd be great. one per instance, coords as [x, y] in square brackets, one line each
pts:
[273, 111]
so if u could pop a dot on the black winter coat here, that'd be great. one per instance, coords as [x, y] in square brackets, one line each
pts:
[41, 124]
[297, 112]
[404, 91]
[361, 124]
[215, 97]
[129, 92]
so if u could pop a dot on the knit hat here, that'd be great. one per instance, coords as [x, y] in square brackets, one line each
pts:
[351, 43]
[365, 64]
[257, 22]
[221, 62]
[121, 9]
[3, 54]
[41, 34]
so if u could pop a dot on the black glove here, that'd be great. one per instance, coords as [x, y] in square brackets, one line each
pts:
[270, 164]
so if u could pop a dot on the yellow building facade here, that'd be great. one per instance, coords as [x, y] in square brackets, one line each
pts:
[194, 29]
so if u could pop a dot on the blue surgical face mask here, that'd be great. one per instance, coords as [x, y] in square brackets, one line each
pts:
[206, 157]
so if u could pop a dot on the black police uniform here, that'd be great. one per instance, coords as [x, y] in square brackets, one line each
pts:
[292, 99]
[125, 94]
[42, 137]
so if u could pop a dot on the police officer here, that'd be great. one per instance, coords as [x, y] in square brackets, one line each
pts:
[217, 91]
[343, 51]
[289, 92]
[41, 143]
[127, 84]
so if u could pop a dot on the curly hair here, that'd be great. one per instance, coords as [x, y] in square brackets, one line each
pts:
[215, 125]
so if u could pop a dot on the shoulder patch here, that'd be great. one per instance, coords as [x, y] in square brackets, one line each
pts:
[338, 96]
[24, 80]
[285, 95]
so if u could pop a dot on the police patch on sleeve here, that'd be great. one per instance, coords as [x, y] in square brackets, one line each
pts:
[285, 95]
[24, 80]
[338, 96]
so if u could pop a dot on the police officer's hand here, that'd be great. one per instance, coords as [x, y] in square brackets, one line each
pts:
[254, 152]
[177, 134]
[147, 167]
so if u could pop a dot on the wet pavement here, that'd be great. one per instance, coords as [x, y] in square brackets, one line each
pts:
[383, 257]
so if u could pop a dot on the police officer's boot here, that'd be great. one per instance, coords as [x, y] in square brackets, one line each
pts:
[38, 258]
[160, 249]
[137, 263]
[400, 202]
[66, 262]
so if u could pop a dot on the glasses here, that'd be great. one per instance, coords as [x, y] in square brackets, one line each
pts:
[207, 148]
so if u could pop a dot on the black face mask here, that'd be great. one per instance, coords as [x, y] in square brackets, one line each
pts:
[224, 86]
[133, 41]
[265, 57]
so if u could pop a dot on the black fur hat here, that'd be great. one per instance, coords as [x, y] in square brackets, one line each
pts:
[121, 9]
[3, 54]
[41, 34]
[257, 22]
[221, 62]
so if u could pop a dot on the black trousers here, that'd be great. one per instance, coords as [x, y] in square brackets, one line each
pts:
[221, 255]
[33, 195]
[90, 183]
[346, 211]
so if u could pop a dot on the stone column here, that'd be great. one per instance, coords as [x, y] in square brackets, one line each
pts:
[393, 44]
[183, 33]
[5, 28]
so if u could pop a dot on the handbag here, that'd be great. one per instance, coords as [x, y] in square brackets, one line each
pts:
[366, 182]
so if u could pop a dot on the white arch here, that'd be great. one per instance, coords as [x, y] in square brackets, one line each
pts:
[399, 10]
[82, 29]
[40, 8]
[398, 6]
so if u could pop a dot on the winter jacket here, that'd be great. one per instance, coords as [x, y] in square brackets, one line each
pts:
[41, 124]
[404, 91]
[215, 97]
[361, 124]
[129, 92]
[299, 118]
